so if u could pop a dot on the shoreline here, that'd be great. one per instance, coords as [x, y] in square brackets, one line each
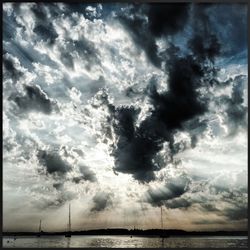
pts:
[125, 232]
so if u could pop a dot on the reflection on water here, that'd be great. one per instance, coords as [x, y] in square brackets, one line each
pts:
[126, 242]
[68, 242]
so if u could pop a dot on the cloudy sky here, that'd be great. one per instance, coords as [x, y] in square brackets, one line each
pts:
[122, 109]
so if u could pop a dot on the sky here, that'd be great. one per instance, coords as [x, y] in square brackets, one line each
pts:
[121, 110]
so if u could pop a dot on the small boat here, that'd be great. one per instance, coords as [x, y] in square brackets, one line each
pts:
[68, 234]
[164, 236]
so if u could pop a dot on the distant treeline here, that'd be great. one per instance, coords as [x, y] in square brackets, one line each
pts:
[138, 232]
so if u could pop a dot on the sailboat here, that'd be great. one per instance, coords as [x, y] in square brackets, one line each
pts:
[163, 234]
[68, 234]
[40, 229]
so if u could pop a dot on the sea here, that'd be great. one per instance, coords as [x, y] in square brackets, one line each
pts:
[125, 242]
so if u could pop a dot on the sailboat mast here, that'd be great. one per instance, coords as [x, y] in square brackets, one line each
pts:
[161, 219]
[68, 234]
[40, 226]
[69, 220]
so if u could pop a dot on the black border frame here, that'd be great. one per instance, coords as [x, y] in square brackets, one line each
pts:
[120, 1]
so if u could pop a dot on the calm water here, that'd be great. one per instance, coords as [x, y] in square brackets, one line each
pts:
[126, 242]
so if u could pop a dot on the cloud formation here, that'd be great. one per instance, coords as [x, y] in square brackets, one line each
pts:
[86, 175]
[145, 104]
[137, 146]
[53, 162]
[174, 188]
[10, 68]
[34, 99]
[102, 200]
[235, 109]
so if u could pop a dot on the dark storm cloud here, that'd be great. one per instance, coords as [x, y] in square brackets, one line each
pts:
[43, 26]
[233, 198]
[58, 186]
[38, 9]
[53, 162]
[233, 211]
[147, 22]
[138, 30]
[34, 99]
[134, 150]
[85, 49]
[181, 102]
[238, 212]
[46, 32]
[209, 207]
[178, 193]
[236, 199]
[167, 19]
[235, 110]
[77, 179]
[172, 189]
[132, 91]
[137, 147]
[101, 201]
[205, 46]
[87, 175]
[194, 141]
[178, 203]
[11, 72]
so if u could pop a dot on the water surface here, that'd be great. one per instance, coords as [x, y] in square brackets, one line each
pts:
[126, 242]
